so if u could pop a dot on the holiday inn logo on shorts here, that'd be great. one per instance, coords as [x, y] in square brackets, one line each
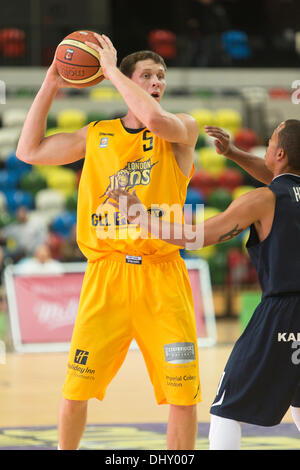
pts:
[81, 356]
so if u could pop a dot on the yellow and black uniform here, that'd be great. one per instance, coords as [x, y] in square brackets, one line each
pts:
[135, 287]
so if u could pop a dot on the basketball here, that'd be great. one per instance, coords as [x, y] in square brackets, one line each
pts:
[78, 63]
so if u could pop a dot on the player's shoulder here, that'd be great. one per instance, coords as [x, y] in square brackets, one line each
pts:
[262, 196]
[187, 118]
[190, 124]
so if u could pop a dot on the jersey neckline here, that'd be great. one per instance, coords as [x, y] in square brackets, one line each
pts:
[285, 174]
[129, 130]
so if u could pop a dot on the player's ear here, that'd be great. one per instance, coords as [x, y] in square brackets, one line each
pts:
[281, 154]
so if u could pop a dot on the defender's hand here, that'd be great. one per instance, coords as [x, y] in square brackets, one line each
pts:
[127, 203]
[222, 143]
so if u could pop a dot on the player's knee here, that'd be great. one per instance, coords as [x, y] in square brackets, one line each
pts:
[184, 409]
[73, 405]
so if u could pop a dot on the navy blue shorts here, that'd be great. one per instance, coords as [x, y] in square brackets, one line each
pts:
[261, 379]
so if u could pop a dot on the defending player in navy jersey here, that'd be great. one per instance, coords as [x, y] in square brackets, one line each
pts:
[261, 379]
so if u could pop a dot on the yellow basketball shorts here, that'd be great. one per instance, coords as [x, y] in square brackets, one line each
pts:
[148, 299]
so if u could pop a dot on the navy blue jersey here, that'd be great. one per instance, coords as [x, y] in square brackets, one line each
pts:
[277, 258]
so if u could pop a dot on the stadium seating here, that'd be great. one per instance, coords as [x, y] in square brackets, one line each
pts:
[104, 93]
[8, 141]
[8, 180]
[246, 139]
[16, 198]
[194, 197]
[203, 117]
[63, 223]
[15, 164]
[230, 179]
[240, 190]
[49, 200]
[71, 119]
[220, 198]
[14, 117]
[49, 203]
[236, 44]
[12, 43]
[2, 202]
[204, 181]
[6, 218]
[33, 182]
[211, 161]
[229, 119]
[163, 42]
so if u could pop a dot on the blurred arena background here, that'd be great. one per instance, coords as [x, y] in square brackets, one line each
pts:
[231, 63]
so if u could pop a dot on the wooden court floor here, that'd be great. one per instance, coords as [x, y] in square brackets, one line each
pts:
[30, 387]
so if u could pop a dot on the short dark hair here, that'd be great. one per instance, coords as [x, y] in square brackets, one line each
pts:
[127, 65]
[289, 141]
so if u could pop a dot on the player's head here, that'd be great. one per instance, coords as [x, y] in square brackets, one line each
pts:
[285, 144]
[148, 70]
[289, 141]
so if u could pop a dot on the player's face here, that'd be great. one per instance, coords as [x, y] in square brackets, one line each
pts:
[151, 77]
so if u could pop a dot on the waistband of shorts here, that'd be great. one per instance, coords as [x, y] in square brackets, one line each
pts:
[138, 259]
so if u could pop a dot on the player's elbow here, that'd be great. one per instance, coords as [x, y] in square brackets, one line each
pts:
[24, 155]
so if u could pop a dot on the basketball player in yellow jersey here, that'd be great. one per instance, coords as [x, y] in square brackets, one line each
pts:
[133, 287]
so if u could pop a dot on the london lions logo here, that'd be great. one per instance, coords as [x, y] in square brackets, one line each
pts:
[133, 174]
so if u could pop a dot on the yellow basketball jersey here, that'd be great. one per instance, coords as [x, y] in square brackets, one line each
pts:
[138, 160]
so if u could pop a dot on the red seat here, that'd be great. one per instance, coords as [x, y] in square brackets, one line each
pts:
[203, 181]
[12, 43]
[230, 179]
[163, 42]
[245, 139]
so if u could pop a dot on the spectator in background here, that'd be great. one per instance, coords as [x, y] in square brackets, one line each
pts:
[207, 20]
[41, 263]
[24, 235]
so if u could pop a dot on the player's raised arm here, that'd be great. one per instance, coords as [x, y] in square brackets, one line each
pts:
[142, 93]
[59, 149]
[254, 165]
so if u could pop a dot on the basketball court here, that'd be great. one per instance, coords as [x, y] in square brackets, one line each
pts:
[244, 80]
[128, 418]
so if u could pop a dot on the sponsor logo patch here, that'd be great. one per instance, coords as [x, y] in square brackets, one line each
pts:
[103, 142]
[69, 54]
[179, 353]
[81, 356]
[133, 259]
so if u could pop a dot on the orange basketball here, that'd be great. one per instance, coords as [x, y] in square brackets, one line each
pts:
[78, 63]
